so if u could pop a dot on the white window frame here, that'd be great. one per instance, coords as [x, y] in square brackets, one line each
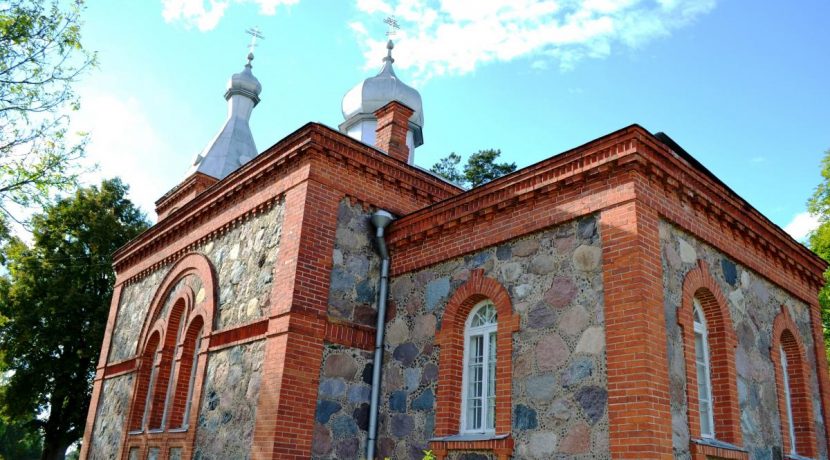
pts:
[470, 332]
[701, 329]
[788, 401]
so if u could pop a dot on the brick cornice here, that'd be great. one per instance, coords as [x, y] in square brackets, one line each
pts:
[717, 203]
[287, 162]
[195, 183]
[549, 176]
[631, 147]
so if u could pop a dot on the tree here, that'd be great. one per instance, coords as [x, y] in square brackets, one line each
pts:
[481, 168]
[55, 299]
[819, 240]
[19, 440]
[41, 56]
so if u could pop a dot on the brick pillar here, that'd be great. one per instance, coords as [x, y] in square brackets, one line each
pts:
[823, 375]
[98, 383]
[393, 124]
[294, 345]
[639, 410]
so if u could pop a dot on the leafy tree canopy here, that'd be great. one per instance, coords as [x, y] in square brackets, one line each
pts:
[54, 301]
[40, 58]
[19, 440]
[481, 168]
[819, 240]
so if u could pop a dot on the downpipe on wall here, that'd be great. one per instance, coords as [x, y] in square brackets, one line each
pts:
[380, 219]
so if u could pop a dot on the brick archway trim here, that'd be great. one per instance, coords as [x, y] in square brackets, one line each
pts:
[784, 333]
[451, 340]
[699, 284]
[193, 263]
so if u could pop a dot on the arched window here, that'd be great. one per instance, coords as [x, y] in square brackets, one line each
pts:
[709, 343]
[788, 399]
[704, 373]
[479, 382]
[146, 382]
[162, 387]
[795, 403]
[186, 380]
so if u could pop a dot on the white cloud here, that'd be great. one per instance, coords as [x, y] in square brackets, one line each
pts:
[205, 14]
[801, 225]
[457, 36]
[123, 143]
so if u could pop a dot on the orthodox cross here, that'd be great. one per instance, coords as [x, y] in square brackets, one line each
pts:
[254, 33]
[393, 26]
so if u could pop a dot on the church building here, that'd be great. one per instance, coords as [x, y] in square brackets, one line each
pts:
[326, 298]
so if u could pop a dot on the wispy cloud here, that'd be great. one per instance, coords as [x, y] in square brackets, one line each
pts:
[801, 225]
[457, 36]
[124, 143]
[205, 14]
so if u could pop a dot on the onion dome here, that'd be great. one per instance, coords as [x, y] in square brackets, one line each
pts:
[362, 101]
[245, 83]
[234, 145]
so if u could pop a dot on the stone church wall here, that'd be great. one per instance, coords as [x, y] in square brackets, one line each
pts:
[559, 378]
[225, 426]
[355, 268]
[132, 309]
[753, 304]
[244, 260]
[109, 419]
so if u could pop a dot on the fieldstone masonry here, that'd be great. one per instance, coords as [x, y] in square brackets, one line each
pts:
[559, 378]
[753, 305]
[244, 260]
[355, 267]
[226, 422]
[109, 421]
[132, 309]
[342, 414]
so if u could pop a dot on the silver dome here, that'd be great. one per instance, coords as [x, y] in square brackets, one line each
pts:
[244, 83]
[373, 93]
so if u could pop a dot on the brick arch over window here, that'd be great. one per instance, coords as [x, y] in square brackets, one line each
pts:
[172, 350]
[451, 340]
[191, 264]
[700, 285]
[785, 335]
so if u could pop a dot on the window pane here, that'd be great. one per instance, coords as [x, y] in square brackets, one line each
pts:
[705, 419]
[788, 398]
[704, 384]
[475, 382]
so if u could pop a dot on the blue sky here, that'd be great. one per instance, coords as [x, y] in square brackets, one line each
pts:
[742, 86]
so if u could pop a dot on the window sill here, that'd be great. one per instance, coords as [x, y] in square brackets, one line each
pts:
[499, 444]
[718, 449]
[796, 457]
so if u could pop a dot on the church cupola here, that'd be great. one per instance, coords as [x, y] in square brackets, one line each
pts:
[361, 104]
[234, 145]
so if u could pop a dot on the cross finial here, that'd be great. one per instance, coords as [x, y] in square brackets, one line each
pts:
[254, 33]
[393, 25]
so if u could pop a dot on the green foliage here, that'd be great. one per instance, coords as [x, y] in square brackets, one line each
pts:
[41, 56]
[481, 167]
[19, 440]
[54, 299]
[819, 240]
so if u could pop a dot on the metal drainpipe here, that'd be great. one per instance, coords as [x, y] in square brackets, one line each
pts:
[380, 220]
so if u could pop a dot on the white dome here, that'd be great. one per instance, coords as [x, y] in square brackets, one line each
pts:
[373, 93]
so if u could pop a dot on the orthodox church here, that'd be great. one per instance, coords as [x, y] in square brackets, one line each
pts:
[326, 298]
